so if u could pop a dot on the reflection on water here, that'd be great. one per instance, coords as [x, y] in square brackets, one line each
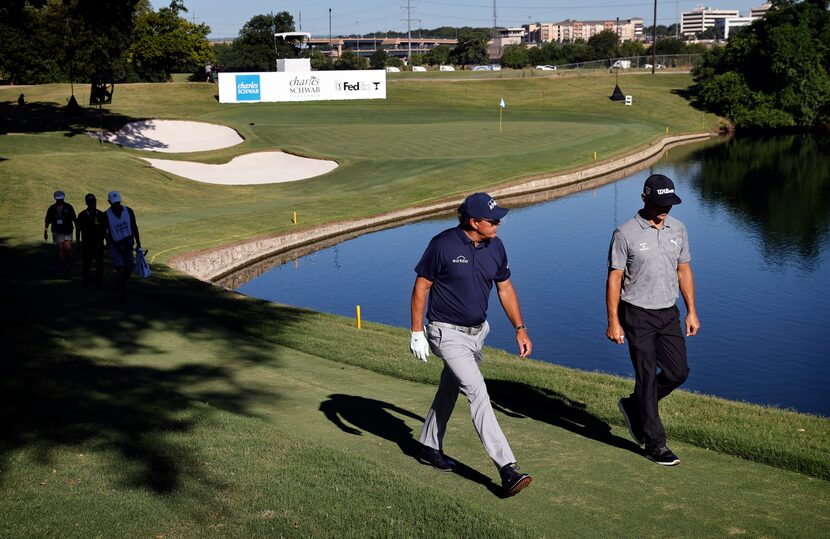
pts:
[757, 213]
[779, 186]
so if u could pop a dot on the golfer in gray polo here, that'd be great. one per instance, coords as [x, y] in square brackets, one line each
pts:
[648, 264]
[457, 272]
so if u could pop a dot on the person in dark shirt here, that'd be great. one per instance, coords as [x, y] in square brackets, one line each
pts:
[61, 217]
[456, 274]
[91, 231]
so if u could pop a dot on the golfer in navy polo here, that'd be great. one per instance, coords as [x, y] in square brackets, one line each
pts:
[648, 263]
[457, 272]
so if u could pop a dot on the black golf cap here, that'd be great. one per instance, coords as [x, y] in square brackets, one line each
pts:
[659, 189]
[482, 206]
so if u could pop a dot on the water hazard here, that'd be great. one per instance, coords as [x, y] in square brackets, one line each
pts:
[758, 214]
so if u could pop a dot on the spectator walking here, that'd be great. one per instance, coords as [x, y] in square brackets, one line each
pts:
[61, 217]
[457, 272]
[91, 232]
[648, 261]
[122, 234]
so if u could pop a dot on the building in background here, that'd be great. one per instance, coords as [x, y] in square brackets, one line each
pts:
[730, 25]
[365, 46]
[702, 18]
[568, 31]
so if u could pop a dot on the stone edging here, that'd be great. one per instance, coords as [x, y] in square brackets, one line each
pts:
[219, 263]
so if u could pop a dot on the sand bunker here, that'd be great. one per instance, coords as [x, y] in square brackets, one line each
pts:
[254, 168]
[173, 136]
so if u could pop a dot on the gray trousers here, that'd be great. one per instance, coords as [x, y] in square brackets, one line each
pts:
[462, 354]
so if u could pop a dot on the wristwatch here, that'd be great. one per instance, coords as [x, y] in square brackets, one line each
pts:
[520, 328]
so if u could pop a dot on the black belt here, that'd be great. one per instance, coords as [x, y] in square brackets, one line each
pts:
[469, 330]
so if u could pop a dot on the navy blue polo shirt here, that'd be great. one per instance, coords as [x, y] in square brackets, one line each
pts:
[462, 276]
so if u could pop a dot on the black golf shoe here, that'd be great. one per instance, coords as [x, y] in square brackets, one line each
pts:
[662, 456]
[513, 480]
[436, 459]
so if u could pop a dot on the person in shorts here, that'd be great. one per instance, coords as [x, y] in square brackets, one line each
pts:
[122, 234]
[61, 217]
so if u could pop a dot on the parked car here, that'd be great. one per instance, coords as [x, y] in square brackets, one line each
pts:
[494, 67]
[480, 68]
[419, 68]
[392, 69]
[546, 68]
[446, 68]
[622, 64]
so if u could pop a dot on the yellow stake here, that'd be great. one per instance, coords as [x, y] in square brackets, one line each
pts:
[667, 130]
[358, 316]
[295, 217]
[595, 155]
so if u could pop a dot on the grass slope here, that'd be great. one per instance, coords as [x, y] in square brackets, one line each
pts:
[192, 411]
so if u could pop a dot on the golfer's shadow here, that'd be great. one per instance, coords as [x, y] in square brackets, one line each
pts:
[354, 414]
[523, 401]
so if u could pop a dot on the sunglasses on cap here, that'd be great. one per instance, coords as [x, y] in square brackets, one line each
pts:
[493, 222]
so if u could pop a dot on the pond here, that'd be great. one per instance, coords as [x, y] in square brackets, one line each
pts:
[758, 215]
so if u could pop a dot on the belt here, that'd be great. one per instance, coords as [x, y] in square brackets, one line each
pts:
[469, 330]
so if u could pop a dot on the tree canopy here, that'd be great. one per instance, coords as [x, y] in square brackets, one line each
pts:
[97, 40]
[775, 73]
[163, 40]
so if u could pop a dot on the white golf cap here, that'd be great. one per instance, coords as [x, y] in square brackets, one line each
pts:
[113, 197]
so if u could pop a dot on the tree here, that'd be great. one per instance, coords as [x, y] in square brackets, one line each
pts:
[41, 41]
[670, 45]
[319, 61]
[605, 44]
[775, 73]
[470, 50]
[632, 48]
[514, 56]
[715, 32]
[394, 61]
[378, 59]
[417, 60]
[350, 60]
[439, 55]
[162, 40]
[254, 48]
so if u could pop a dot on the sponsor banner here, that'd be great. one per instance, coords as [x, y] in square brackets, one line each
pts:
[301, 86]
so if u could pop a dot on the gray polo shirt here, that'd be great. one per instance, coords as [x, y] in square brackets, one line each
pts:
[649, 257]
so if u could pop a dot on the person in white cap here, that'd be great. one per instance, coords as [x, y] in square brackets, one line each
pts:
[61, 216]
[122, 233]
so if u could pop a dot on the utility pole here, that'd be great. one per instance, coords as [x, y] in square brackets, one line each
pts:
[408, 21]
[329, 29]
[654, 40]
[494, 19]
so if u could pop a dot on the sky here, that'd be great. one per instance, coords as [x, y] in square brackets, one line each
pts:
[226, 17]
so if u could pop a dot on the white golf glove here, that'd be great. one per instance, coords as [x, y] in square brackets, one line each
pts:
[419, 346]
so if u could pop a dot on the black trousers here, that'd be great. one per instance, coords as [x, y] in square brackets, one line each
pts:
[655, 340]
[93, 251]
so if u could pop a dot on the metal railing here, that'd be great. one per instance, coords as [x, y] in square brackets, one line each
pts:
[675, 61]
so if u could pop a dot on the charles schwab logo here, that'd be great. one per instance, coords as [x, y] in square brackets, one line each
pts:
[248, 88]
[357, 86]
[460, 259]
[304, 86]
